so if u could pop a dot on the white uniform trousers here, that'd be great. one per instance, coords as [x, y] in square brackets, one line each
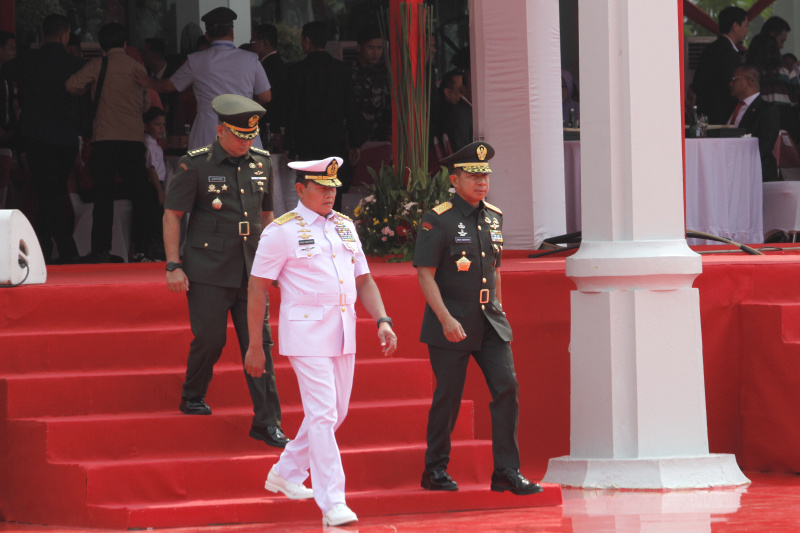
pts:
[325, 385]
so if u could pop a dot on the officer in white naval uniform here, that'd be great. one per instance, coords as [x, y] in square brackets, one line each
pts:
[222, 69]
[314, 254]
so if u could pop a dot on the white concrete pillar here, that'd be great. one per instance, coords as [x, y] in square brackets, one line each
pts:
[192, 11]
[516, 95]
[638, 416]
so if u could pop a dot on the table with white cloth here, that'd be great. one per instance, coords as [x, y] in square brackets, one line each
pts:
[723, 188]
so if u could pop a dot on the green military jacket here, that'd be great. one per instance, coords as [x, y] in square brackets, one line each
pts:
[465, 245]
[225, 197]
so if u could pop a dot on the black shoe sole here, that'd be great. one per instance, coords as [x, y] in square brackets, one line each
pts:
[503, 488]
[268, 442]
[440, 488]
[194, 411]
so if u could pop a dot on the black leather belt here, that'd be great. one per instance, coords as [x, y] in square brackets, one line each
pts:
[237, 228]
[484, 297]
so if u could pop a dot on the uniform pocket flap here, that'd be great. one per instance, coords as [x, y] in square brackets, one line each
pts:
[307, 251]
[301, 312]
[208, 241]
[463, 249]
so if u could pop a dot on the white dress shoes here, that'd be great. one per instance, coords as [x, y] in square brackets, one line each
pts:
[340, 515]
[293, 491]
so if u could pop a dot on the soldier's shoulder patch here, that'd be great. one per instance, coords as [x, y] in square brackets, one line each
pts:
[259, 151]
[441, 208]
[199, 151]
[286, 217]
[492, 207]
[343, 216]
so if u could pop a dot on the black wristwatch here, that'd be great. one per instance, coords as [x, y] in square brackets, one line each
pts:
[385, 319]
[172, 266]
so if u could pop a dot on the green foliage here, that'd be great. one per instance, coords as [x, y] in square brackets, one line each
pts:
[29, 15]
[388, 218]
[289, 43]
[712, 8]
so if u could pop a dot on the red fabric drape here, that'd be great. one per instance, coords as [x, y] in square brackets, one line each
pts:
[758, 7]
[699, 16]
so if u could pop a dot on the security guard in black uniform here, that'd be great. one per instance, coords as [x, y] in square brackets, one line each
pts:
[457, 256]
[227, 188]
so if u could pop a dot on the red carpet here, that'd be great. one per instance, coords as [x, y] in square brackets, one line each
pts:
[90, 374]
[92, 361]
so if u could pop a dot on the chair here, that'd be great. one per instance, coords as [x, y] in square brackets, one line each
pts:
[120, 232]
[786, 155]
[373, 155]
[781, 208]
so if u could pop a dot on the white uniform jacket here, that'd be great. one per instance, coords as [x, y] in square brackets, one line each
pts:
[316, 262]
[222, 69]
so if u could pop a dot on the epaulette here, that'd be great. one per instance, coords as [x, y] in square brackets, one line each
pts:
[286, 217]
[492, 207]
[441, 208]
[343, 216]
[259, 151]
[195, 153]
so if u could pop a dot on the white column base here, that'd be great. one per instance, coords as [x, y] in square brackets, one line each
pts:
[713, 470]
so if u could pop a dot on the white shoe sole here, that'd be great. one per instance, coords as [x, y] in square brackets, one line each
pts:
[326, 522]
[274, 488]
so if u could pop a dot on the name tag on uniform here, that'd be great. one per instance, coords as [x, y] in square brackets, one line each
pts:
[462, 240]
[213, 179]
[306, 241]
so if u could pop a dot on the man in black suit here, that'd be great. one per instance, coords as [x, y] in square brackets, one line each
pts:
[321, 116]
[264, 42]
[457, 257]
[759, 118]
[716, 67]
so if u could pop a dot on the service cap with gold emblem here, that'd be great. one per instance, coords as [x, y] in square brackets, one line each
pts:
[322, 171]
[239, 114]
[473, 158]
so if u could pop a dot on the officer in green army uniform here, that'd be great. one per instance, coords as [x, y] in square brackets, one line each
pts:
[227, 188]
[457, 256]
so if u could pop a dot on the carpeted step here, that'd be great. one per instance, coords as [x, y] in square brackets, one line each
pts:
[165, 435]
[70, 394]
[277, 512]
[389, 467]
[141, 347]
[115, 299]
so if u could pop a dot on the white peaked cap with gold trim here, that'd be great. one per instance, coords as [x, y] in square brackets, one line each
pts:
[322, 171]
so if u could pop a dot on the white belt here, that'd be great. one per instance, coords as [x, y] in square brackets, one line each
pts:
[320, 299]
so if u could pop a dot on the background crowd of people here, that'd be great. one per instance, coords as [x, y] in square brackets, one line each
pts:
[754, 88]
[98, 128]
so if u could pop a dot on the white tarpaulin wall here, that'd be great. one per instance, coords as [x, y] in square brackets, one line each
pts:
[516, 75]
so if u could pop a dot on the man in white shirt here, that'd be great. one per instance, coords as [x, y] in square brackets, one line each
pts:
[315, 256]
[221, 69]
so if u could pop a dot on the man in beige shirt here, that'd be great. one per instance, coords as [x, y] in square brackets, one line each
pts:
[117, 141]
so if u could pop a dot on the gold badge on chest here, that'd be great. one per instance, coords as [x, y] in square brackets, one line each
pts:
[463, 264]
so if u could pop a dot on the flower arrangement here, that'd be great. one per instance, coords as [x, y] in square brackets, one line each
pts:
[388, 218]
